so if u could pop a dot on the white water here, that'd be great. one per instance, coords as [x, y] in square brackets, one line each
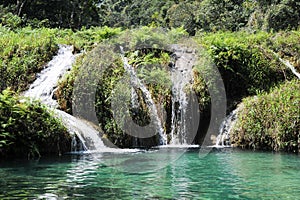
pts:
[181, 79]
[289, 65]
[148, 98]
[43, 88]
[223, 139]
[181, 76]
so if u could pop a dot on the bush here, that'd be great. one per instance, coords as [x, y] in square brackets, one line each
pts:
[245, 62]
[215, 15]
[287, 45]
[28, 129]
[282, 16]
[10, 20]
[270, 121]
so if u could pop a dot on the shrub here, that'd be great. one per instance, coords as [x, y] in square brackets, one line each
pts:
[28, 129]
[245, 62]
[284, 15]
[270, 121]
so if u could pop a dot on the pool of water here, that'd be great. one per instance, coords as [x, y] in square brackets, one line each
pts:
[160, 174]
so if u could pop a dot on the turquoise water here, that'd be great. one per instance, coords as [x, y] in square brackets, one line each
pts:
[222, 174]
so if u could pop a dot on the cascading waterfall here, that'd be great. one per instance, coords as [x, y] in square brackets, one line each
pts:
[136, 82]
[44, 86]
[43, 89]
[181, 78]
[223, 139]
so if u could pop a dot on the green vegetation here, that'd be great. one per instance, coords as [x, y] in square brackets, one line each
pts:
[22, 55]
[270, 121]
[245, 61]
[203, 15]
[28, 129]
[242, 38]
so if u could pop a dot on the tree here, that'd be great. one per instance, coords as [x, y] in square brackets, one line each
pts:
[284, 15]
[222, 15]
[182, 15]
[60, 13]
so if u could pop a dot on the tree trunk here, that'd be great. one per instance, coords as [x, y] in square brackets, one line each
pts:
[20, 6]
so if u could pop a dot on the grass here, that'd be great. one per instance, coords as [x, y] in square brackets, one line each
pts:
[25, 51]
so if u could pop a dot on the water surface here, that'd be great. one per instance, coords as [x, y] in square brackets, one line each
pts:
[219, 175]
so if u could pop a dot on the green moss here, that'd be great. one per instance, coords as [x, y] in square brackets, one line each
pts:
[270, 121]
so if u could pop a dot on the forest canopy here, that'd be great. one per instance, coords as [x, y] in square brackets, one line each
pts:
[200, 15]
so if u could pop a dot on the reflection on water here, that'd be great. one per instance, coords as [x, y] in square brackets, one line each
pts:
[219, 175]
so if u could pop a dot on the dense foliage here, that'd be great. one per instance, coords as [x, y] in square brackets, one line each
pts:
[22, 55]
[28, 129]
[55, 13]
[246, 61]
[270, 121]
[207, 15]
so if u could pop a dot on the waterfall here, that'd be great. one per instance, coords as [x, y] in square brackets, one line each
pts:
[181, 78]
[44, 86]
[289, 65]
[136, 82]
[43, 89]
[134, 99]
[223, 139]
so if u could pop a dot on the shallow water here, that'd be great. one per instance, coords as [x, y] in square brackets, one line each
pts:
[161, 174]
